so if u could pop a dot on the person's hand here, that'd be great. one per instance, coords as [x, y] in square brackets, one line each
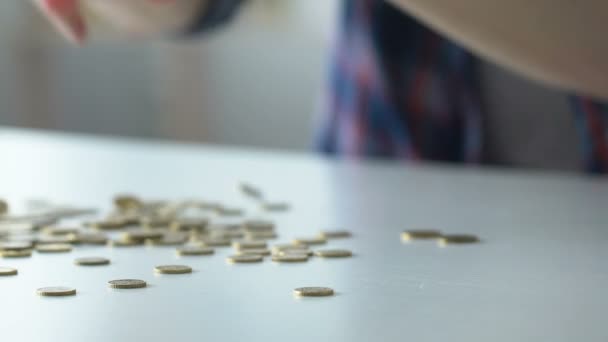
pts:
[130, 17]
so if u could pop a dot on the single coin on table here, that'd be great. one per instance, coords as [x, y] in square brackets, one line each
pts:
[313, 292]
[8, 271]
[457, 239]
[54, 248]
[92, 261]
[290, 258]
[334, 234]
[173, 269]
[334, 253]
[127, 284]
[420, 234]
[194, 250]
[56, 291]
[16, 254]
[16, 245]
[249, 258]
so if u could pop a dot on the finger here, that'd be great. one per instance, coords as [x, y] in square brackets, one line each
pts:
[66, 15]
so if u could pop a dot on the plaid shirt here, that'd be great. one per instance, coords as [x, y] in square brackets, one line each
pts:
[400, 90]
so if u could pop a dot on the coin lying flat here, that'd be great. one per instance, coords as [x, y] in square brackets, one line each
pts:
[313, 292]
[290, 258]
[305, 252]
[173, 269]
[334, 253]
[428, 234]
[457, 239]
[249, 258]
[127, 284]
[92, 238]
[8, 271]
[56, 291]
[310, 241]
[194, 250]
[261, 235]
[217, 242]
[16, 254]
[92, 261]
[16, 245]
[127, 202]
[240, 245]
[59, 230]
[54, 248]
[334, 234]
[125, 243]
[258, 226]
[250, 190]
[254, 251]
[275, 206]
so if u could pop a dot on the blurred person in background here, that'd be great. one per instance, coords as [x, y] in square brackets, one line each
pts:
[400, 87]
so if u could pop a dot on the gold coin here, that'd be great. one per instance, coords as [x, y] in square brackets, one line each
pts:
[56, 291]
[258, 226]
[172, 239]
[334, 234]
[125, 243]
[198, 225]
[16, 254]
[261, 235]
[313, 292]
[127, 284]
[143, 234]
[226, 211]
[16, 245]
[275, 206]
[8, 271]
[109, 224]
[216, 242]
[240, 245]
[195, 250]
[255, 251]
[290, 257]
[127, 202]
[92, 238]
[92, 261]
[457, 239]
[53, 240]
[250, 190]
[60, 230]
[3, 207]
[249, 258]
[289, 247]
[409, 235]
[305, 252]
[334, 253]
[54, 248]
[173, 269]
[310, 241]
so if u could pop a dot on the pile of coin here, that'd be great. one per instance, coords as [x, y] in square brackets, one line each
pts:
[135, 222]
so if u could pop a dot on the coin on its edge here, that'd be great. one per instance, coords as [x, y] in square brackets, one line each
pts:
[8, 271]
[16, 254]
[173, 269]
[127, 284]
[92, 261]
[56, 291]
[313, 292]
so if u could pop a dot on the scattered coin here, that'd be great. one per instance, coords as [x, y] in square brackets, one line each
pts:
[8, 271]
[127, 202]
[127, 284]
[216, 242]
[226, 211]
[258, 226]
[457, 239]
[334, 234]
[125, 243]
[250, 190]
[171, 239]
[143, 234]
[16, 254]
[310, 241]
[313, 292]
[256, 251]
[56, 291]
[240, 245]
[53, 240]
[334, 253]
[190, 224]
[249, 258]
[289, 257]
[261, 235]
[305, 252]
[54, 248]
[409, 235]
[92, 238]
[92, 261]
[16, 245]
[59, 230]
[289, 247]
[173, 269]
[109, 224]
[195, 250]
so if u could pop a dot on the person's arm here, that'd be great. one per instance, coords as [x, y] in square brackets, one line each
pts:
[139, 18]
[560, 42]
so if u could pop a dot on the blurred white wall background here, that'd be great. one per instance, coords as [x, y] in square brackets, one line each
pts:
[256, 82]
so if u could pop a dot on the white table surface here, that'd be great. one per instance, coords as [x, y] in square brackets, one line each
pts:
[541, 273]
